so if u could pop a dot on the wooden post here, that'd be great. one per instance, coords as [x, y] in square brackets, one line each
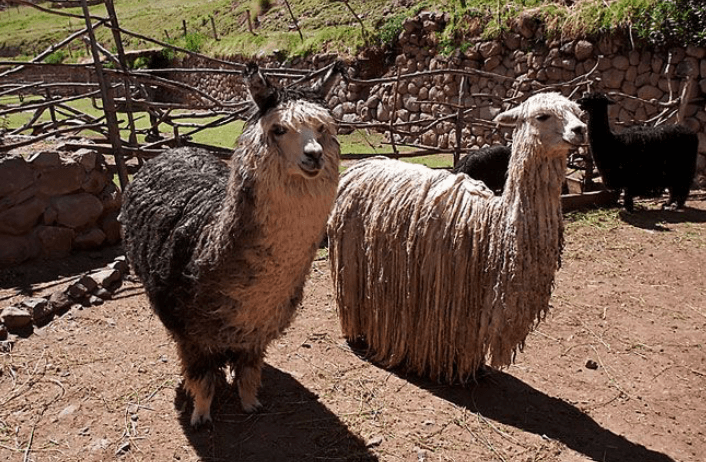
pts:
[108, 102]
[393, 112]
[177, 140]
[123, 65]
[213, 28]
[587, 184]
[183, 24]
[52, 112]
[247, 15]
[296, 23]
[459, 120]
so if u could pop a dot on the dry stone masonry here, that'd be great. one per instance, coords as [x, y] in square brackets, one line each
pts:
[52, 202]
[649, 84]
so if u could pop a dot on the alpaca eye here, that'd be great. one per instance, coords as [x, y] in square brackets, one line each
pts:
[322, 128]
[543, 117]
[278, 130]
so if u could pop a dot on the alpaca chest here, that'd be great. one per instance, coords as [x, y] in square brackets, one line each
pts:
[263, 304]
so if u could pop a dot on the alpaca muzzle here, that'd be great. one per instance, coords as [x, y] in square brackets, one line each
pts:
[311, 161]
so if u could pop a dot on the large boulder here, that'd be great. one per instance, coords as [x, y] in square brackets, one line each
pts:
[15, 175]
[16, 249]
[21, 218]
[64, 179]
[77, 211]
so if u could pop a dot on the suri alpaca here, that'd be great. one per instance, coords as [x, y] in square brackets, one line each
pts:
[488, 165]
[433, 271]
[641, 161]
[224, 252]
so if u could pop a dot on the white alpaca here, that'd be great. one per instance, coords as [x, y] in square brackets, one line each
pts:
[223, 253]
[433, 271]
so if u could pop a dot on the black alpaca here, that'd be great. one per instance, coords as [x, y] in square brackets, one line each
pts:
[641, 161]
[488, 165]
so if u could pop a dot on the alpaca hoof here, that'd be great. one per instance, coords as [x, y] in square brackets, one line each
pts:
[671, 207]
[201, 420]
[251, 406]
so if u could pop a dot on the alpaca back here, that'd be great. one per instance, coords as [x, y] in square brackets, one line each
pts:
[167, 205]
[660, 157]
[488, 165]
[419, 219]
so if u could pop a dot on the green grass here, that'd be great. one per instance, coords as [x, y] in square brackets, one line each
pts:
[602, 218]
[223, 136]
[330, 26]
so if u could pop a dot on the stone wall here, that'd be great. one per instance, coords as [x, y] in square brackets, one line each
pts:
[646, 83]
[51, 203]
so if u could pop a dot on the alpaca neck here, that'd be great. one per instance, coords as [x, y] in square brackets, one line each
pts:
[601, 139]
[533, 176]
[529, 217]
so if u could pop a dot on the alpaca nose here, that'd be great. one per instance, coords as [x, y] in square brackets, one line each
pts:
[313, 150]
[579, 130]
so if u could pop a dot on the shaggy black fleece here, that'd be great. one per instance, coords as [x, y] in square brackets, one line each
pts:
[168, 204]
[487, 164]
[641, 161]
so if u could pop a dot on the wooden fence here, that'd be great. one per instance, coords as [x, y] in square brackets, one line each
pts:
[122, 89]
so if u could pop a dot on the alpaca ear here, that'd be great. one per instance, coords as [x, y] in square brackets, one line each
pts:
[337, 69]
[261, 91]
[508, 117]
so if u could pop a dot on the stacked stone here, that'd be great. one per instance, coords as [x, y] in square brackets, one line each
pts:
[88, 290]
[524, 60]
[520, 62]
[51, 203]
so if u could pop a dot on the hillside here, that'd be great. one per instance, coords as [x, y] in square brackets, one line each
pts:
[296, 28]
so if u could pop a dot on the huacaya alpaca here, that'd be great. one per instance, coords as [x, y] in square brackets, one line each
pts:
[223, 251]
[434, 272]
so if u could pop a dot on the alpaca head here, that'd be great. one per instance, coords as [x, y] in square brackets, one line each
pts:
[595, 101]
[294, 124]
[549, 120]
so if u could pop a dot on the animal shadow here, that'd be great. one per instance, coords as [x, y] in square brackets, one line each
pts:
[659, 220]
[292, 426]
[504, 398]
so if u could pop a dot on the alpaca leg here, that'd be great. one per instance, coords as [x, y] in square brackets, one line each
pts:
[677, 198]
[200, 375]
[248, 369]
[628, 202]
[202, 390]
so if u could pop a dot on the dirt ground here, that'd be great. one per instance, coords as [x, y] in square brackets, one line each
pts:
[617, 371]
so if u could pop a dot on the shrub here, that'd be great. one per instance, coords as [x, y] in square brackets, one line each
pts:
[674, 23]
[57, 57]
[194, 41]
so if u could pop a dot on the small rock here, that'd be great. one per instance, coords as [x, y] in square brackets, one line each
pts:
[123, 448]
[374, 441]
[89, 282]
[77, 291]
[98, 444]
[103, 293]
[107, 278]
[591, 364]
[68, 410]
[15, 317]
[121, 265]
[40, 308]
[60, 300]
[93, 300]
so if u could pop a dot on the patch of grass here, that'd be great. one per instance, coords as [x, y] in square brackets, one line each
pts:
[330, 26]
[602, 218]
[433, 161]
